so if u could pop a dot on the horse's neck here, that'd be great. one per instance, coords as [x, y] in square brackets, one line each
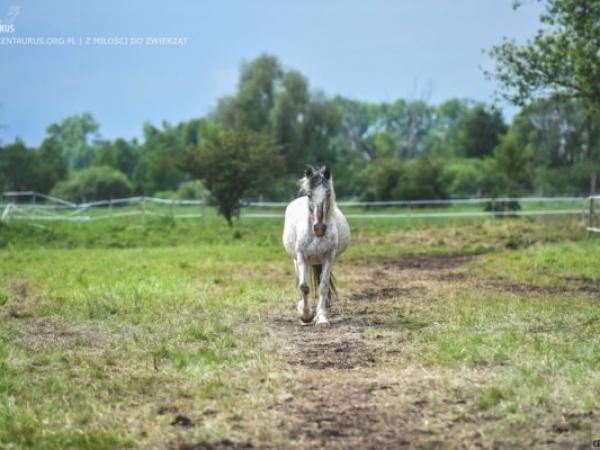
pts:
[331, 210]
[332, 200]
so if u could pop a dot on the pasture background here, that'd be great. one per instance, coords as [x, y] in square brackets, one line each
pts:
[143, 331]
[445, 331]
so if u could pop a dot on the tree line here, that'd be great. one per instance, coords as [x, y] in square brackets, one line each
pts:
[257, 141]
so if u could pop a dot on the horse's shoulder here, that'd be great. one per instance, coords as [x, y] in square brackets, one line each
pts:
[298, 202]
[294, 223]
[296, 207]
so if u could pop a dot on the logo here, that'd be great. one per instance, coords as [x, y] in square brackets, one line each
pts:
[7, 25]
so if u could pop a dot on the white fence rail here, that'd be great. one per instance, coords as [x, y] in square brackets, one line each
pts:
[33, 206]
[42, 207]
[478, 200]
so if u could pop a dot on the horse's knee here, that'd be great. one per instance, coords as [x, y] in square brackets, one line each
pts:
[304, 288]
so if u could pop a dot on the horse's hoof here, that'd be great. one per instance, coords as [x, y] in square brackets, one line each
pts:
[321, 322]
[306, 320]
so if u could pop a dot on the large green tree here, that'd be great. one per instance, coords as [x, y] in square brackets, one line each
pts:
[157, 167]
[279, 102]
[512, 160]
[76, 136]
[384, 130]
[559, 131]
[408, 122]
[562, 59]
[232, 163]
[251, 106]
[479, 132]
[119, 154]
[445, 132]
[18, 167]
[23, 168]
[52, 166]
[359, 121]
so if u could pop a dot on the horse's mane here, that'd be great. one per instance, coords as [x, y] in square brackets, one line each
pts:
[316, 179]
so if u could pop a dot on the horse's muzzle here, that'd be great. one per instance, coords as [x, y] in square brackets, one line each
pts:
[319, 229]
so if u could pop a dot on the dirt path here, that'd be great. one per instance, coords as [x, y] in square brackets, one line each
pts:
[361, 384]
[346, 391]
[355, 386]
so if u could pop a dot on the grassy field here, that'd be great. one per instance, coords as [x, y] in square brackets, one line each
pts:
[179, 334]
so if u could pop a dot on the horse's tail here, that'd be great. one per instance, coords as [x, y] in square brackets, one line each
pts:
[315, 279]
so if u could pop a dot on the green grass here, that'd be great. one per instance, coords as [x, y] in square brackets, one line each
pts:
[106, 324]
[527, 349]
[540, 349]
[549, 263]
[84, 329]
[479, 233]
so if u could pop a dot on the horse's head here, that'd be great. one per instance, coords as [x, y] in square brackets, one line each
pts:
[317, 185]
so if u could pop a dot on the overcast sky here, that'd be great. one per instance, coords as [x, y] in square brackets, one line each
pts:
[369, 50]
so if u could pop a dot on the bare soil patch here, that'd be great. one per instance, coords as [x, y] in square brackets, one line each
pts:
[530, 288]
[426, 262]
[23, 301]
[379, 293]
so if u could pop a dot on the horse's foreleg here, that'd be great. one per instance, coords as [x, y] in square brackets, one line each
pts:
[303, 305]
[324, 292]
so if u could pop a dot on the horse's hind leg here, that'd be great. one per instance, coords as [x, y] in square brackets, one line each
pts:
[306, 314]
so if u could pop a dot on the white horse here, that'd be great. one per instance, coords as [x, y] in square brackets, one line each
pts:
[314, 234]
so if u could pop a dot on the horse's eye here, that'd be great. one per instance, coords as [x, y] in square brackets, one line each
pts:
[309, 195]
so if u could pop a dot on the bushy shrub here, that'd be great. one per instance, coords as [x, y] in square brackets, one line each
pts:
[93, 183]
[502, 208]
[574, 180]
[423, 179]
[471, 177]
[379, 179]
[192, 190]
[167, 195]
[395, 179]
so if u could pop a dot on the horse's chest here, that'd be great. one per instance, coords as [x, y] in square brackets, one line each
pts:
[317, 249]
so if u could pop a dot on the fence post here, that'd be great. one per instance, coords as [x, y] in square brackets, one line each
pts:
[203, 210]
[592, 203]
[5, 213]
[144, 210]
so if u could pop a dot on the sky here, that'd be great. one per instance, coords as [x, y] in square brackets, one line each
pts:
[372, 50]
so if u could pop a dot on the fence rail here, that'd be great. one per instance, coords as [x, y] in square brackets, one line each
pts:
[478, 200]
[42, 207]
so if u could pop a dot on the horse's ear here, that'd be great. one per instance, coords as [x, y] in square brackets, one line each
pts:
[310, 170]
[326, 172]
